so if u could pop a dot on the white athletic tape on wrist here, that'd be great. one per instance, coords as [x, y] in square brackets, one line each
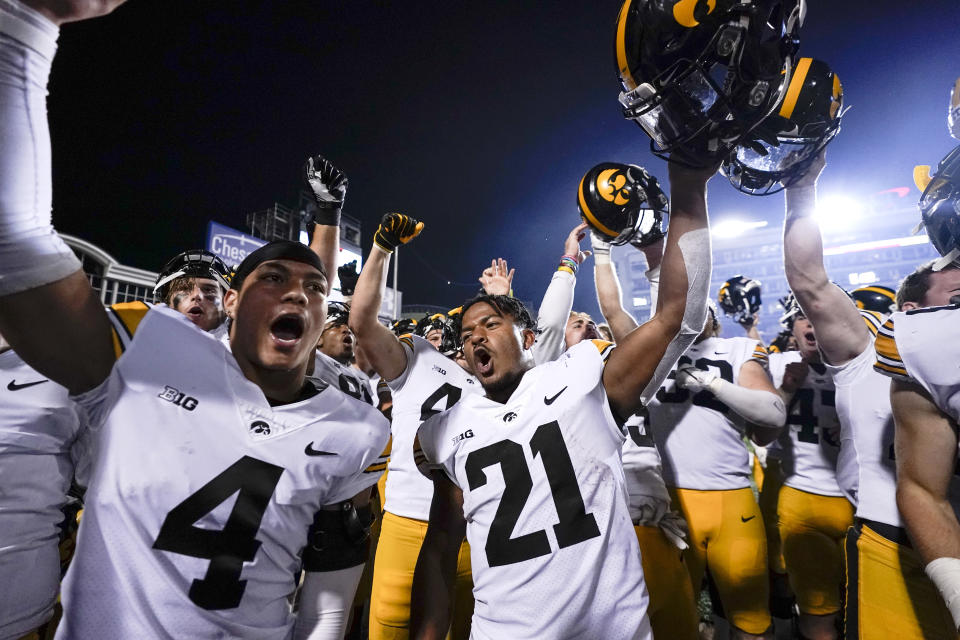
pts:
[695, 248]
[945, 573]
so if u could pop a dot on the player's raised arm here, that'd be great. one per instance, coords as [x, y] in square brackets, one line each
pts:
[381, 346]
[48, 311]
[609, 294]
[558, 299]
[328, 184]
[645, 356]
[841, 332]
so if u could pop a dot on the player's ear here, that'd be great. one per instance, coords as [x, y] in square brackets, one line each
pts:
[230, 303]
[529, 337]
[907, 306]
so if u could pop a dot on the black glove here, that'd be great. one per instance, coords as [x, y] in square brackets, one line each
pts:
[348, 277]
[329, 188]
[396, 229]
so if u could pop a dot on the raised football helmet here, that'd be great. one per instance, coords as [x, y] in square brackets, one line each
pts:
[940, 208]
[697, 75]
[449, 344]
[621, 201]
[780, 150]
[739, 298]
[338, 313]
[403, 326]
[875, 298]
[196, 263]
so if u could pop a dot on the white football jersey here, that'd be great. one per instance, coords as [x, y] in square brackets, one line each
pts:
[553, 550]
[38, 426]
[696, 434]
[350, 380]
[431, 383]
[641, 465]
[201, 494]
[809, 445]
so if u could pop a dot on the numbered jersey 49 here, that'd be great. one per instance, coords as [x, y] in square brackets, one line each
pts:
[553, 548]
[201, 494]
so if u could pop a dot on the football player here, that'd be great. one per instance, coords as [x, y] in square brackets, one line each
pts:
[193, 283]
[720, 391]
[336, 353]
[812, 513]
[553, 431]
[175, 443]
[916, 349]
[672, 609]
[423, 380]
[888, 594]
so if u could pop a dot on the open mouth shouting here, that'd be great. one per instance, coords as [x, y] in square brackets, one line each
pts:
[195, 313]
[483, 362]
[287, 330]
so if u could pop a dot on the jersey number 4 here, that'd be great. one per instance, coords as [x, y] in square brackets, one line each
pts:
[575, 526]
[228, 548]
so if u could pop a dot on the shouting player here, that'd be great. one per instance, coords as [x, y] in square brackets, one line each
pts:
[174, 443]
[531, 471]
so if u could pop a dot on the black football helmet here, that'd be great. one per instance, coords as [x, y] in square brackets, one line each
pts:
[875, 298]
[739, 298]
[940, 208]
[791, 310]
[197, 263]
[621, 202]
[780, 150]
[449, 344]
[403, 326]
[697, 75]
[338, 313]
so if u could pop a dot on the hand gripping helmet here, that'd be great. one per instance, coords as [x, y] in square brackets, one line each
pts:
[621, 201]
[697, 75]
[338, 313]
[875, 298]
[940, 208]
[739, 298]
[448, 344]
[191, 264]
[780, 150]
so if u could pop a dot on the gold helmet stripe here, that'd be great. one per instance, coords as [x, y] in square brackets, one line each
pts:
[624, 66]
[591, 218]
[796, 84]
[882, 292]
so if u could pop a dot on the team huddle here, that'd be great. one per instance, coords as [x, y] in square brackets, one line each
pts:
[247, 458]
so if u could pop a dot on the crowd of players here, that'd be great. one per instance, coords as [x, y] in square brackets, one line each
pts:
[247, 459]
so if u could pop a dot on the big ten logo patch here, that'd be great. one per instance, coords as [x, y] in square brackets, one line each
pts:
[178, 398]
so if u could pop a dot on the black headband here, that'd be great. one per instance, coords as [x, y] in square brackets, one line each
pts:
[276, 250]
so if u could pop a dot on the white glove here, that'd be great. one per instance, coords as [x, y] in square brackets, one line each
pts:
[694, 379]
[675, 527]
[601, 248]
[652, 510]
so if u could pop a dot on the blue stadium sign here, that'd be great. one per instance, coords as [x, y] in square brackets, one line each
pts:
[231, 245]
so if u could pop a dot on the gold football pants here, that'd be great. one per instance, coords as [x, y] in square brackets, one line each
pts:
[672, 610]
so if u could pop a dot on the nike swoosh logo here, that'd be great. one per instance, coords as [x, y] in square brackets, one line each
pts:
[310, 451]
[13, 386]
[547, 400]
[747, 519]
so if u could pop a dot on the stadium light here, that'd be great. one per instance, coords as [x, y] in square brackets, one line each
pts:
[836, 213]
[734, 228]
[640, 302]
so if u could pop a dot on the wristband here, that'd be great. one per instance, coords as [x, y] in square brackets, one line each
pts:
[945, 574]
[568, 263]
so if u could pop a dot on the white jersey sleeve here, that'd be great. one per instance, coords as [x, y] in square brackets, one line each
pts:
[38, 426]
[809, 446]
[430, 383]
[202, 493]
[545, 502]
[682, 422]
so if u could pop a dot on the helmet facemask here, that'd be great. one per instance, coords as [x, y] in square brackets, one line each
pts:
[940, 209]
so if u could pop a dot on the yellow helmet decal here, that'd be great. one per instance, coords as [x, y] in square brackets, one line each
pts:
[610, 185]
[591, 217]
[685, 10]
[921, 176]
[837, 94]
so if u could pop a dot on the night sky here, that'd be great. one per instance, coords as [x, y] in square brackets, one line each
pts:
[477, 118]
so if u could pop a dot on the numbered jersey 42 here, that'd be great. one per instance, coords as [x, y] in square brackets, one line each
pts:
[543, 490]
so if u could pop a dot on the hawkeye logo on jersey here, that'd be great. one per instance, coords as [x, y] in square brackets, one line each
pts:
[178, 398]
[463, 436]
[260, 427]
